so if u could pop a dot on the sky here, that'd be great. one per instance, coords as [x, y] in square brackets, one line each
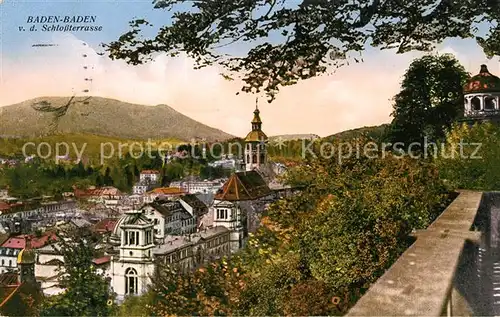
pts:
[354, 96]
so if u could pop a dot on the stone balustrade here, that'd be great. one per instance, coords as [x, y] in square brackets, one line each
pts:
[422, 282]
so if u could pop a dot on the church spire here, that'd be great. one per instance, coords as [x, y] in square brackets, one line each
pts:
[256, 122]
[26, 262]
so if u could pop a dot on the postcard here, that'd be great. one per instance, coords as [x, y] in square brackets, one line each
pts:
[237, 157]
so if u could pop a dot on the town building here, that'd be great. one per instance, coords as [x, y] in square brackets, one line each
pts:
[148, 180]
[150, 176]
[196, 186]
[226, 163]
[163, 193]
[132, 268]
[170, 217]
[133, 265]
[227, 209]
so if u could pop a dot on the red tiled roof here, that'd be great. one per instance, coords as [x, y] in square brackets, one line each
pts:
[97, 192]
[168, 191]
[244, 186]
[4, 206]
[101, 260]
[19, 242]
[105, 191]
[80, 193]
[150, 172]
[105, 225]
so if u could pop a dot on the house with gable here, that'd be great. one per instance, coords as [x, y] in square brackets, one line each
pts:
[230, 208]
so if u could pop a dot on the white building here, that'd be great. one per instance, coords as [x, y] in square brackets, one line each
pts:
[44, 209]
[133, 266]
[108, 195]
[169, 217]
[140, 188]
[198, 186]
[130, 271]
[148, 179]
[8, 259]
[149, 176]
[226, 163]
[178, 216]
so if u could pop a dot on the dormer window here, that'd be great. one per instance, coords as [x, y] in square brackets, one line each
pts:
[222, 214]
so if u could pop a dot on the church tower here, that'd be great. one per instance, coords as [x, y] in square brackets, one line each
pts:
[131, 271]
[255, 144]
[26, 263]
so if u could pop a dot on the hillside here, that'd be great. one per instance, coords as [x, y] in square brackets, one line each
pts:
[101, 116]
[87, 144]
[376, 132]
[288, 137]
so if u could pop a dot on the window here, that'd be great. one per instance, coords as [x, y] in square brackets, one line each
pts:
[490, 103]
[133, 237]
[3, 262]
[476, 104]
[10, 262]
[149, 237]
[131, 281]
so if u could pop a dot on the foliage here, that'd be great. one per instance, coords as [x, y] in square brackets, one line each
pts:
[430, 99]
[45, 178]
[289, 42]
[90, 145]
[87, 291]
[332, 239]
[376, 133]
[379, 200]
[209, 172]
[41, 177]
[469, 157]
[136, 306]
[210, 291]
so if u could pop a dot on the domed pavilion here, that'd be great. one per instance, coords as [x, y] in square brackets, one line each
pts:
[481, 97]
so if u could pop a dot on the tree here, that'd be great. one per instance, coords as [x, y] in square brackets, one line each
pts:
[430, 99]
[468, 158]
[208, 291]
[134, 306]
[345, 228]
[86, 290]
[108, 180]
[291, 42]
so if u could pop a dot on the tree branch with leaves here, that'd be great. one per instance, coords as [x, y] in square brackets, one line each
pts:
[288, 43]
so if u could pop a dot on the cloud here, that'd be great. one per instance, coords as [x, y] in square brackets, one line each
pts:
[356, 95]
